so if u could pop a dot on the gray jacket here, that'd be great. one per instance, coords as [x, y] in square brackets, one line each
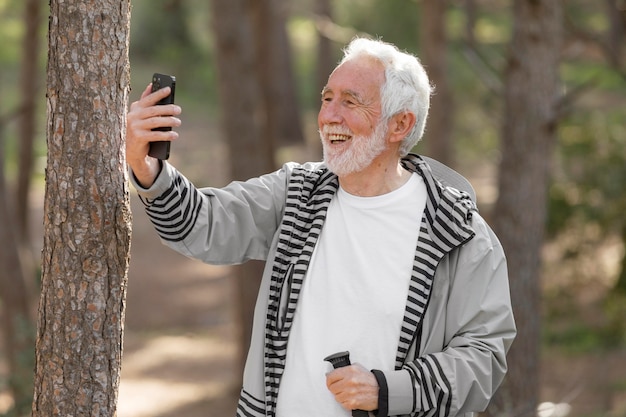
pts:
[458, 322]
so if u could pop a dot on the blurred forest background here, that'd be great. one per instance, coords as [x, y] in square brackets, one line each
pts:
[583, 264]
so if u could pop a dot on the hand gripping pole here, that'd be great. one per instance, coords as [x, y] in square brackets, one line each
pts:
[339, 360]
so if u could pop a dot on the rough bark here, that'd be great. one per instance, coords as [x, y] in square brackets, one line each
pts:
[86, 211]
[528, 138]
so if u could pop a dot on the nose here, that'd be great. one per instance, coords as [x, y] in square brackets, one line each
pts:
[329, 113]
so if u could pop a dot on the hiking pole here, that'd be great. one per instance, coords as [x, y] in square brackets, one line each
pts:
[339, 360]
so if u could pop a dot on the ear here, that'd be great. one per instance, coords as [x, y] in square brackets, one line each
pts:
[400, 125]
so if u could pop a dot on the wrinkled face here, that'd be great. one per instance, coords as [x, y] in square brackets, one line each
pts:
[349, 116]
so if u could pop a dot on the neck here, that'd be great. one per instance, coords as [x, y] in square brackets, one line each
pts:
[382, 176]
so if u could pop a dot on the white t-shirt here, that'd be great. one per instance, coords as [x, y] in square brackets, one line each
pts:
[354, 295]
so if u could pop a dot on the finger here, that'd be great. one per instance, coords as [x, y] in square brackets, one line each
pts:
[349, 376]
[162, 110]
[141, 129]
[149, 99]
[159, 136]
[167, 136]
[146, 91]
[153, 98]
[334, 376]
[154, 116]
[160, 121]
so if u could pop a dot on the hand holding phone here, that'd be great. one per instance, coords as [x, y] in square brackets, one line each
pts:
[161, 149]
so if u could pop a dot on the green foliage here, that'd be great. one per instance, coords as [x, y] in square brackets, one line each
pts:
[615, 329]
[598, 327]
[591, 175]
[159, 29]
[601, 77]
[395, 21]
[575, 338]
[303, 38]
[171, 36]
[585, 14]
[21, 383]
[587, 200]
[10, 32]
[564, 328]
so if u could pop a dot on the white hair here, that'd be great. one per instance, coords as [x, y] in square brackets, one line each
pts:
[406, 86]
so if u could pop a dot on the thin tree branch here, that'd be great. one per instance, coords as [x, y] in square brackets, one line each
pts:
[611, 55]
[331, 30]
[483, 70]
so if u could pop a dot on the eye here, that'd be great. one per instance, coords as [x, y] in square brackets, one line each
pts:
[352, 100]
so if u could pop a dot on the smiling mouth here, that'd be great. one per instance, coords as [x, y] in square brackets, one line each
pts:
[335, 138]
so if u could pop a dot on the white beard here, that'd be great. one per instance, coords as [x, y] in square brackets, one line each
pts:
[360, 153]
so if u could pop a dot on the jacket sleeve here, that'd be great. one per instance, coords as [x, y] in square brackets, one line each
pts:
[477, 329]
[216, 225]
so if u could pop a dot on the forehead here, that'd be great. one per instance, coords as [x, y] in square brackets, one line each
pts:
[361, 75]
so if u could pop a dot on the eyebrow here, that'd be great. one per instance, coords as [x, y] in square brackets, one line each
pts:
[354, 94]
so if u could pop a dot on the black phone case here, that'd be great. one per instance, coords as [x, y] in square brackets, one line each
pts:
[161, 150]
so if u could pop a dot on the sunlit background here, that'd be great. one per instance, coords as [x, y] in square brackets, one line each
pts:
[181, 338]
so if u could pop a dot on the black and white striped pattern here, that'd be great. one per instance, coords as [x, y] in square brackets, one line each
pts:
[175, 212]
[308, 197]
[249, 406]
[444, 226]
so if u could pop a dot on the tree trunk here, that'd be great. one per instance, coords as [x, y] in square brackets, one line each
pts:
[29, 85]
[469, 7]
[434, 47]
[325, 64]
[17, 325]
[528, 137]
[616, 16]
[244, 121]
[620, 284]
[86, 211]
[325, 59]
[274, 69]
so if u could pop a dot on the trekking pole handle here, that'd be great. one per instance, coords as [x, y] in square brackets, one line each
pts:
[339, 360]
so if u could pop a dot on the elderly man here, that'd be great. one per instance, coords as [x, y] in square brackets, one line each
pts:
[366, 252]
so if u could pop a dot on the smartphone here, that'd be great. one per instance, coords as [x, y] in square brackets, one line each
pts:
[161, 150]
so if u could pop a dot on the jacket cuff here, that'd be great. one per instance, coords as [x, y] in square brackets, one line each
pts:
[161, 183]
[383, 394]
[403, 395]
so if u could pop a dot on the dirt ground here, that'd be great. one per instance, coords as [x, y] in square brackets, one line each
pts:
[180, 344]
[180, 338]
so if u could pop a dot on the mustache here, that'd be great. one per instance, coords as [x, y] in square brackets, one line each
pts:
[335, 130]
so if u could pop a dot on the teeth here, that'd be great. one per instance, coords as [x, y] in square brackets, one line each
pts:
[338, 138]
[336, 134]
